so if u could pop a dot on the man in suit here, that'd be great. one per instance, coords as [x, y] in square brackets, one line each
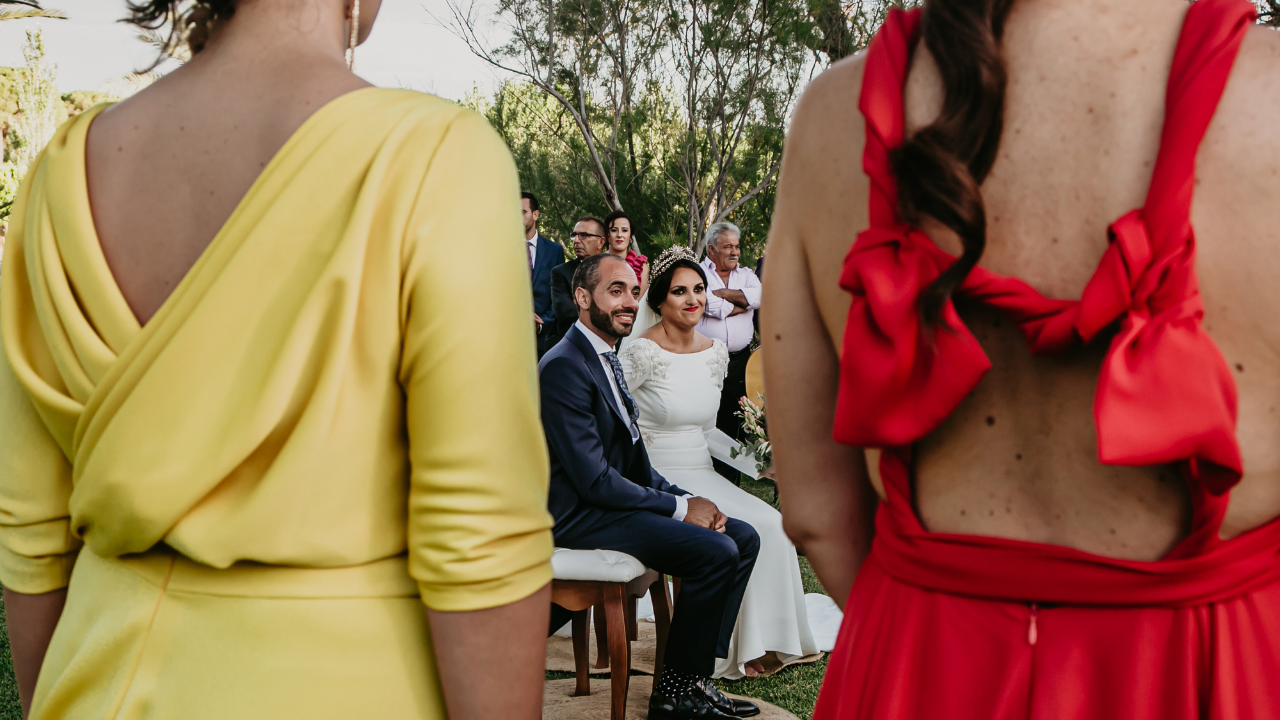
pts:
[605, 495]
[588, 239]
[544, 256]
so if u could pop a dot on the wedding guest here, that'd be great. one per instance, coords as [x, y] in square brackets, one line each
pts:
[733, 296]
[618, 223]
[259, 461]
[606, 495]
[1021, 307]
[588, 239]
[544, 256]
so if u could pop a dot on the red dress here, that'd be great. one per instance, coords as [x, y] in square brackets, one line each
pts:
[636, 261]
[962, 627]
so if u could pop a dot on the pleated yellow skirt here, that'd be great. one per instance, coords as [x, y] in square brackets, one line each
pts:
[160, 636]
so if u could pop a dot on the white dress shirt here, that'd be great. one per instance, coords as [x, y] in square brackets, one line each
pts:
[736, 332]
[601, 347]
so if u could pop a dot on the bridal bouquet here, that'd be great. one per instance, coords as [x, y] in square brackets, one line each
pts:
[757, 444]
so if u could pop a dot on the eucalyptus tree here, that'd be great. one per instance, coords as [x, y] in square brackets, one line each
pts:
[593, 57]
[738, 67]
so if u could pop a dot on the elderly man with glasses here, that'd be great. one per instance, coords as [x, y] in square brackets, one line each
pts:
[588, 239]
[733, 296]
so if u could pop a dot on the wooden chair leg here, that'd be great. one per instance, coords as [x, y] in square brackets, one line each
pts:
[619, 662]
[633, 630]
[662, 615]
[598, 615]
[581, 653]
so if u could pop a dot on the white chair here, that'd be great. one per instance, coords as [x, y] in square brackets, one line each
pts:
[611, 581]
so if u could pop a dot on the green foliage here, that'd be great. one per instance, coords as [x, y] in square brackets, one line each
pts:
[556, 165]
[37, 112]
[80, 100]
[675, 110]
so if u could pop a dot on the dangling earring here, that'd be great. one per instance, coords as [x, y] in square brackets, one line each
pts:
[355, 35]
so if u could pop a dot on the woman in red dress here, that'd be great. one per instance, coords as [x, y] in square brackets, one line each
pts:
[1037, 506]
[619, 231]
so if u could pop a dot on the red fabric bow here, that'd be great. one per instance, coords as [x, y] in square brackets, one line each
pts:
[1164, 394]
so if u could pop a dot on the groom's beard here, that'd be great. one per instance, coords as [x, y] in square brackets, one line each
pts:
[608, 324]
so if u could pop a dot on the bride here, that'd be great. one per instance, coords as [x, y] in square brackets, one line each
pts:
[675, 375]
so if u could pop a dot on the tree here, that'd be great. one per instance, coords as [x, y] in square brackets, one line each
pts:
[591, 56]
[556, 166]
[40, 111]
[738, 66]
[711, 79]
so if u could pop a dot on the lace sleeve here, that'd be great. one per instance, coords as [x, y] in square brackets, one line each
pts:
[637, 362]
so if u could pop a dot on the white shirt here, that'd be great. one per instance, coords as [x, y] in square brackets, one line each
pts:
[601, 347]
[736, 331]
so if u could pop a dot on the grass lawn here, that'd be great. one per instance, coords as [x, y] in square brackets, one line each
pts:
[794, 689]
[10, 708]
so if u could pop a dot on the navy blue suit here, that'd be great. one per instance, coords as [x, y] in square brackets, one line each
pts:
[606, 495]
[550, 255]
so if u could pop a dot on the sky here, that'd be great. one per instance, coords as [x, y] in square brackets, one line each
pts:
[407, 48]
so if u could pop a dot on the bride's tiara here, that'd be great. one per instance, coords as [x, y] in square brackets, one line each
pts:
[669, 258]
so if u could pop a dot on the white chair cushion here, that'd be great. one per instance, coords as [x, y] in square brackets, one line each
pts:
[597, 565]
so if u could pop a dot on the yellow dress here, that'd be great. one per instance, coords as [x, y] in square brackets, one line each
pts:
[331, 425]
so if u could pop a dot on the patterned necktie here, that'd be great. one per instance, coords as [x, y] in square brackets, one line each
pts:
[528, 246]
[632, 411]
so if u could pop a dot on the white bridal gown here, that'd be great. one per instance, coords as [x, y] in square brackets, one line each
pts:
[678, 396]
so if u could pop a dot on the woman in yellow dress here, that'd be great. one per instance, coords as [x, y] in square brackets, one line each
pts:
[268, 395]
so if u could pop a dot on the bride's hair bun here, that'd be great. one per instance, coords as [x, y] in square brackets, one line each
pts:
[189, 22]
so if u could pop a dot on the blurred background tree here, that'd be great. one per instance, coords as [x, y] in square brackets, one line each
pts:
[674, 110]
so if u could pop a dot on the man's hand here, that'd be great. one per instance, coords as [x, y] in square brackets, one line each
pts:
[704, 513]
[736, 311]
[537, 321]
[737, 297]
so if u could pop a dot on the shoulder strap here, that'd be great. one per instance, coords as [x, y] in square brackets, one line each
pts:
[881, 104]
[1206, 50]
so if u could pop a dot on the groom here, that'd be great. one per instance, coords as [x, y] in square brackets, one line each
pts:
[605, 495]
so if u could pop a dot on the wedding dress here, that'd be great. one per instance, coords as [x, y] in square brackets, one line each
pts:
[678, 396]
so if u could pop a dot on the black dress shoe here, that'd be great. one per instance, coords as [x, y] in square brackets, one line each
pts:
[691, 705]
[724, 703]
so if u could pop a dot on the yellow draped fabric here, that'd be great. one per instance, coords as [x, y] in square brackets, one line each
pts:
[333, 415]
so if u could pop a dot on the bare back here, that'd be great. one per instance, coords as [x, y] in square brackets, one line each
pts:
[167, 167]
[1083, 116]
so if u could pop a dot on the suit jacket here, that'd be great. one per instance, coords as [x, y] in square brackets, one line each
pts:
[595, 468]
[562, 299]
[549, 256]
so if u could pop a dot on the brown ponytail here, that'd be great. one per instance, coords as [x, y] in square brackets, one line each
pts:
[190, 22]
[940, 168]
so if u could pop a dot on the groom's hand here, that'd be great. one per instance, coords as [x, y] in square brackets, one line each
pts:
[702, 512]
